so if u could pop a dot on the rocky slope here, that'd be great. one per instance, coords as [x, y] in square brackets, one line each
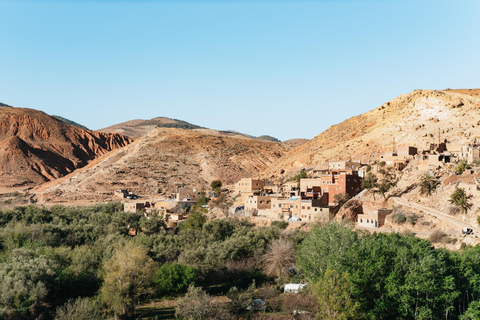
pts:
[417, 119]
[35, 147]
[165, 158]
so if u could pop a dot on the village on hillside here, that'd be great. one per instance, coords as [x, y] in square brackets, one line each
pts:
[317, 194]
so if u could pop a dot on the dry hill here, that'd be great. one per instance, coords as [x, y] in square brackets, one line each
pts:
[35, 147]
[417, 119]
[166, 157]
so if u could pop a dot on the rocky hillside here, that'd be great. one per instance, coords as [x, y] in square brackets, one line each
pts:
[35, 147]
[154, 164]
[417, 119]
[138, 128]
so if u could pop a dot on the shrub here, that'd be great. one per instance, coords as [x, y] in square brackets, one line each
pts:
[438, 236]
[172, 278]
[278, 257]
[196, 304]
[280, 224]
[461, 167]
[79, 309]
[412, 219]
[398, 218]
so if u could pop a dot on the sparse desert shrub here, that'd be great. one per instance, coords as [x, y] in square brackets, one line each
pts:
[426, 223]
[453, 210]
[412, 219]
[438, 236]
[398, 218]
[280, 224]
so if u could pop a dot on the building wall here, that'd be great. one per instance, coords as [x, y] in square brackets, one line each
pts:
[258, 203]
[248, 185]
[309, 183]
[133, 206]
[405, 151]
[340, 183]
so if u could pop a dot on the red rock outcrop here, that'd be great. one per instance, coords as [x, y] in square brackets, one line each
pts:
[35, 147]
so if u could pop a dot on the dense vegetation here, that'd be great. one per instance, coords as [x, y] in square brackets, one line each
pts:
[79, 263]
[50, 257]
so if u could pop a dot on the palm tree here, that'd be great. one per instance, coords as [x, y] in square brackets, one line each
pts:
[460, 198]
[428, 184]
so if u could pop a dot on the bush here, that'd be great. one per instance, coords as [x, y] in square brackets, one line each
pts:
[438, 236]
[398, 218]
[412, 219]
[79, 309]
[461, 167]
[280, 224]
[173, 278]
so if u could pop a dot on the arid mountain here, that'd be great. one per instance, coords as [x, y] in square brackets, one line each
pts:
[35, 147]
[70, 122]
[163, 159]
[138, 128]
[416, 119]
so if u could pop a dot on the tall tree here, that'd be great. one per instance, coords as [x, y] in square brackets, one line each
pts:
[128, 273]
[460, 198]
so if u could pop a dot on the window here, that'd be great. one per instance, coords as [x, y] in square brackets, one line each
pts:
[308, 208]
[261, 201]
[303, 207]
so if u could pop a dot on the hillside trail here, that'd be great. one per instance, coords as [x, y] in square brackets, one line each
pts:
[456, 223]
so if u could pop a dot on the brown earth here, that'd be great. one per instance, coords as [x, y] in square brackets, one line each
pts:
[416, 119]
[35, 147]
[137, 128]
[165, 158]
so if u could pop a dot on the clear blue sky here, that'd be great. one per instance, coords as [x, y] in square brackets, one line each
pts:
[289, 69]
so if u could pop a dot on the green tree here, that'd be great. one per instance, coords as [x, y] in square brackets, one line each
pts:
[334, 292]
[473, 312]
[195, 221]
[341, 198]
[387, 182]
[302, 175]
[128, 273]
[461, 166]
[216, 186]
[26, 280]
[460, 198]
[428, 184]
[172, 278]
[202, 200]
[369, 182]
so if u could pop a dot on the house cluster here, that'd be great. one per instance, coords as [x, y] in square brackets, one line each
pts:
[308, 199]
[447, 153]
[176, 204]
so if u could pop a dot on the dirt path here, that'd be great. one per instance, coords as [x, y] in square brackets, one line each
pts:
[449, 220]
